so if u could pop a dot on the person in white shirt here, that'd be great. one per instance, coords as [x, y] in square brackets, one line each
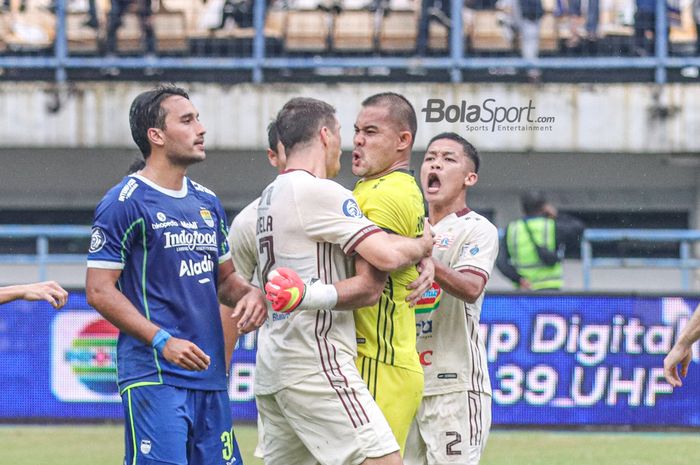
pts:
[314, 405]
[453, 420]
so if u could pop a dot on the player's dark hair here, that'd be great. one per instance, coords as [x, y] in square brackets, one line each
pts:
[146, 112]
[399, 108]
[532, 202]
[469, 150]
[272, 136]
[136, 165]
[301, 118]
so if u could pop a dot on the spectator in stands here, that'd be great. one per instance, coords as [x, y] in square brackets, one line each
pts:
[92, 20]
[681, 353]
[526, 21]
[49, 291]
[569, 12]
[532, 248]
[118, 9]
[645, 27]
[431, 9]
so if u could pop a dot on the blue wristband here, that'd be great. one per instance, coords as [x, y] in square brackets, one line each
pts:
[160, 339]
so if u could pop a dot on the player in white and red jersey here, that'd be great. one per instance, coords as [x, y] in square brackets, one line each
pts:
[243, 245]
[453, 420]
[314, 405]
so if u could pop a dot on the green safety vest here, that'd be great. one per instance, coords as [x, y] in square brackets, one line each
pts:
[523, 254]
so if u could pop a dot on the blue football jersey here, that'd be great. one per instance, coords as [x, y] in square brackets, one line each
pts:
[168, 245]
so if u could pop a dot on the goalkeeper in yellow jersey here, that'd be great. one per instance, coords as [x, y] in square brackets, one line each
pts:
[389, 196]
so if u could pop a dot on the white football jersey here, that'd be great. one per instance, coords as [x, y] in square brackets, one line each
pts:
[451, 349]
[241, 240]
[310, 225]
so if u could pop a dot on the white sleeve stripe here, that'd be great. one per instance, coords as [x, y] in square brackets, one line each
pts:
[105, 265]
[224, 257]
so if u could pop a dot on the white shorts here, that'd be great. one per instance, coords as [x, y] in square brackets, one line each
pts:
[260, 446]
[330, 419]
[449, 429]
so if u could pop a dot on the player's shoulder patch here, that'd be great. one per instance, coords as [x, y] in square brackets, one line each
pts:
[197, 186]
[128, 189]
[351, 209]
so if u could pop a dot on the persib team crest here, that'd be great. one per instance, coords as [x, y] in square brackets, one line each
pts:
[206, 216]
[430, 300]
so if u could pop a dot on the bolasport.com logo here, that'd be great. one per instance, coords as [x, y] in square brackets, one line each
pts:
[488, 116]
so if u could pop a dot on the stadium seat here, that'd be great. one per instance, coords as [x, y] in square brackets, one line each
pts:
[399, 31]
[354, 31]
[81, 38]
[306, 31]
[549, 33]
[171, 31]
[684, 33]
[438, 37]
[31, 30]
[487, 33]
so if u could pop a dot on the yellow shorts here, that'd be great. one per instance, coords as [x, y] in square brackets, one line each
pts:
[397, 391]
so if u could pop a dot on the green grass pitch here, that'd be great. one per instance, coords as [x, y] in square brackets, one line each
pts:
[102, 445]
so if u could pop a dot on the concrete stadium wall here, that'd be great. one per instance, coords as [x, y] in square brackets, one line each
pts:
[612, 148]
[621, 118]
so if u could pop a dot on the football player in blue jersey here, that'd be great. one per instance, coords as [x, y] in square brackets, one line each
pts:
[158, 259]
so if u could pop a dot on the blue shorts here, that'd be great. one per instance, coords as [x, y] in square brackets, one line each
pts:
[172, 425]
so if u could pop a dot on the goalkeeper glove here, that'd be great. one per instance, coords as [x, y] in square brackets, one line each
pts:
[287, 292]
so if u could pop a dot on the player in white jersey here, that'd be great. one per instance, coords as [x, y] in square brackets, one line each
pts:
[241, 239]
[453, 420]
[312, 401]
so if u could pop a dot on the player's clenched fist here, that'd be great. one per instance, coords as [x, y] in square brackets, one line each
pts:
[185, 354]
[284, 289]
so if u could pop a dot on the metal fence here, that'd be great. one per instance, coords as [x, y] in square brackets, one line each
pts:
[454, 62]
[42, 234]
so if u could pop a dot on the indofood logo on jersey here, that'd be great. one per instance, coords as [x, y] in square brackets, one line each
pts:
[84, 357]
[430, 300]
[190, 240]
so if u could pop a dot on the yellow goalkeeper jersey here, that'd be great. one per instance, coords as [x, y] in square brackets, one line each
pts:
[386, 332]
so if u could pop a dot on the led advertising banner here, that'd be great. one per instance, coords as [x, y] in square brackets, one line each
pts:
[553, 360]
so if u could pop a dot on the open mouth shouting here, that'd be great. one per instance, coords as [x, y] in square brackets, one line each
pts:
[433, 183]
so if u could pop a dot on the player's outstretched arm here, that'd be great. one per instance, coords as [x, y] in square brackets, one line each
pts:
[390, 252]
[103, 295]
[247, 300]
[681, 353]
[49, 291]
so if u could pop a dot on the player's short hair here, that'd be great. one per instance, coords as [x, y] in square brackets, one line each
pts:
[301, 118]
[136, 165]
[146, 112]
[399, 108]
[469, 150]
[532, 202]
[272, 136]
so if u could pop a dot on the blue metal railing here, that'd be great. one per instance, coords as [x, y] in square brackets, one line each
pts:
[43, 257]
[257, 62]
[685, 262]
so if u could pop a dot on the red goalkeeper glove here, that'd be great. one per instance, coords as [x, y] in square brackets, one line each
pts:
[284, 289]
